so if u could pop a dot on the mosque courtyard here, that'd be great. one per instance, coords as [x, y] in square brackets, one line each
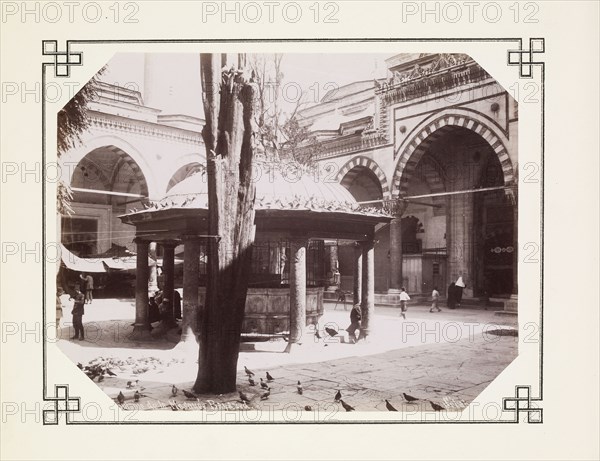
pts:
[446, 359]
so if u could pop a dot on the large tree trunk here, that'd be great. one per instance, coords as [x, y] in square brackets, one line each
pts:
[229, 139]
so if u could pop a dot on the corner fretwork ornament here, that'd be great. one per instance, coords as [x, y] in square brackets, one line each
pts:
[525, 59]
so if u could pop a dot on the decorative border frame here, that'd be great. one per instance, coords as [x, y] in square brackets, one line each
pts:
[521, 403]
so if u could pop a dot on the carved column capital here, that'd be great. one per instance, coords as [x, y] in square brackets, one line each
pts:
[395, 207]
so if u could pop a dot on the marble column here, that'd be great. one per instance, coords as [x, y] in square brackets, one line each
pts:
[357, 288]
[335, 281]
[297, 291]
[141, 326]
[168, 268]
[395, 256]
[460, 241]
[153, 279]
[191, 283]
[368, 288]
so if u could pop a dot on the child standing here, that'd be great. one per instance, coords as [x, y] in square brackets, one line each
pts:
[404, 298]
[435, 296]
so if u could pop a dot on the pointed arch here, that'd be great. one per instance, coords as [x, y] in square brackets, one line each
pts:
[436, 126]
[365, 162]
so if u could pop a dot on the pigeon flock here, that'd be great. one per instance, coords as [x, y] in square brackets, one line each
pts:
[98, 372]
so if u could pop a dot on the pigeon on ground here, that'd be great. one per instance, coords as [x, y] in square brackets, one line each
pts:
[263, 384]
[173, 407]
[389, 406]
[248, 372]
[110, 372]
[189, 395]
[317, 335]
[299, 387]
[338, 396]
[174, 390]
[346, 406]
[243, 397]
[331, 331]
[409, 398]
[307, 408]
[266, 395]
[136, 396]
[436, 407]
[100, 378]
[251, 381]
[269, 377]
[120, 398]
[129, 385]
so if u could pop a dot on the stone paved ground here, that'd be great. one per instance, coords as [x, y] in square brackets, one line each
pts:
[447, 357]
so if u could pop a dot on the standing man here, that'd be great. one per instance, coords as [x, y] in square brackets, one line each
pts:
[59, 308]
[435, 297]
[355, 318]
[88, 286]
[404, 298]
[176, 304]
[78, 312]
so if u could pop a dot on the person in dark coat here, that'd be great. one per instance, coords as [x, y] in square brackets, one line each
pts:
[177, 304]
[355, 318]
[153, 311]
[77, 312]
[451, 298]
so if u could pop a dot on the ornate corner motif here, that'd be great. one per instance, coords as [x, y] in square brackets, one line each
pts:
[521, 403]
[525, 59]
[63, 403]
[63, 60]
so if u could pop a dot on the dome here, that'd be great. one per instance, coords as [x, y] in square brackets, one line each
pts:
[280, 187]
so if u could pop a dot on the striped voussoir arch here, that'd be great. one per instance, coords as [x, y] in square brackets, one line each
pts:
[346, 175]
[420, 143]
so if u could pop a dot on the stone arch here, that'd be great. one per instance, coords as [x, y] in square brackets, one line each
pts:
[73, 157]
[369, 164]
[436, 126]
[113, 167]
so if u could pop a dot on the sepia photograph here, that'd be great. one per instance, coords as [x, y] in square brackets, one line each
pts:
[334, 230]
[307, 231]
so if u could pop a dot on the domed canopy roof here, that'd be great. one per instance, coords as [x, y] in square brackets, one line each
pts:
[286, 187]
